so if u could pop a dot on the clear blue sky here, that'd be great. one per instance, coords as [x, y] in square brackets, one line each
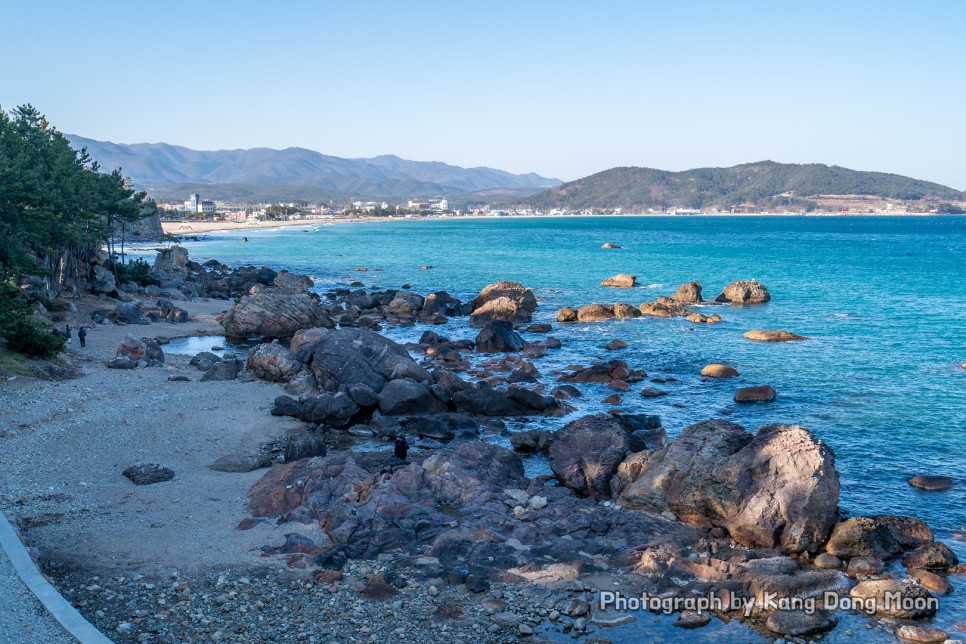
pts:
[564, 89]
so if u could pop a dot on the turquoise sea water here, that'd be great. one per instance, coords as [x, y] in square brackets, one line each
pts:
[881, 299]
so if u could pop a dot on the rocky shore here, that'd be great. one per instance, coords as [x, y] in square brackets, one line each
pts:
[273, 505]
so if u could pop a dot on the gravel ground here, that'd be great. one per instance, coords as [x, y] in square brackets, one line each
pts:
[279, 605]
[22, 617]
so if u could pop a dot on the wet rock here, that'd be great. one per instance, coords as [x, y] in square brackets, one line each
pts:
[715, 370]
[273, 314]
[405, 304]
[760, 335]
[688, 293]
[601, 372]
[691, 619]
[797, 623]
[914, 633]
[622, 310]
[931, 581]
[827, 561]
[659, 309]
[931, 555]
[653, 393]
[622, 280]
[907, 531]
[498, 337]
[700, 318]
[540, 327]
[594, 313]
[761, 393]
[531, 441]
[776, 488]
[865, 566]
[880, 597]
[148, 474]
[862, 537]
[610, 245]
[744, 292]
[613, 399]
[613, 345]
[492, 402]
[585, 454]
[566, 314]
[931, 483]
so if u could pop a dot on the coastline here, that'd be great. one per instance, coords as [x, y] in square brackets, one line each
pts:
[203, 227]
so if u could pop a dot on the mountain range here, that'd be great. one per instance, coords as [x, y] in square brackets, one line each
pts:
[162, 169]
[765, 184]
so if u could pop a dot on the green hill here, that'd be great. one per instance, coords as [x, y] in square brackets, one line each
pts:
[765, 185]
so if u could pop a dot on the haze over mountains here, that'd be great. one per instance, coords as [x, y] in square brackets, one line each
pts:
[763, 185]
[161, 169]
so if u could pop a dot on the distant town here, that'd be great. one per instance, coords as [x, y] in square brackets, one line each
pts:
[199, 209]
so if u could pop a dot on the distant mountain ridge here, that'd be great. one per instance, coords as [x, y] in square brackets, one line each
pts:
[765, 184]
[156, 166]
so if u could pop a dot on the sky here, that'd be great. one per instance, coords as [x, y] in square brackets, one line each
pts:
[563, 89]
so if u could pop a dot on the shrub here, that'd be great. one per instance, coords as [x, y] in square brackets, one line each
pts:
[138, 271]
[21, 331]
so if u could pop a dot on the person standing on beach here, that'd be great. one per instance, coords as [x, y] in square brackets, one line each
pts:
[68, 334]
[82, 336]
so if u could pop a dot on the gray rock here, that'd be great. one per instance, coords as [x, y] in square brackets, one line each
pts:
[148, 474]
[241, 463]
[405, 396]
[585, 454]
[498, 337]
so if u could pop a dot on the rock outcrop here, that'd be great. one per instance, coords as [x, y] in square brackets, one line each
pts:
[273, 314]
[623, 280]
[504, 300]
[744, 292]
[761, 335]
[498, 337]
[777, 488]
[584, 455]
[274, 362]
[688, 293]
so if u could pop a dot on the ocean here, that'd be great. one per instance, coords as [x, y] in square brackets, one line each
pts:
[882, 301]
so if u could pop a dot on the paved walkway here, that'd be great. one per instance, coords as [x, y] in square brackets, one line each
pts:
[24, 619]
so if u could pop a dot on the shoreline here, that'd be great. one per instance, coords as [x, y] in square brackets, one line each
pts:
[203, 227]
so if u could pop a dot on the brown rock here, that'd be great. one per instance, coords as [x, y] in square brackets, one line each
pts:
[931, 483]
[273, 314]
[622, 280]
[688, 293]
[931, 555]
[798, 623]
[613, 399]
[760, 335]
[691, 619]
[716, 370]
[908, 532]
[827, 561]
[776, 488]
[761, 393]
[913, 633]
[862, 537]
[865, 566]
[622, 310]
[518, 308]
[931, 581]
[744, 292]
[566, 314]
[653, 393]
[613, 345]
[610, 245]
[595, 313]
[879, 597]
[661, 310]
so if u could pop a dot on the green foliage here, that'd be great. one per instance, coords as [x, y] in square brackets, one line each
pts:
[21, 331]
[949, 209]
[54, 201]
[138, 271]
[766, 184]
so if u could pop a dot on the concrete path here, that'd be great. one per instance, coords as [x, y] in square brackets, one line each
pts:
[33, 611]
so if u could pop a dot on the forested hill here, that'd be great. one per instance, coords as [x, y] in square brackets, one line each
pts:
[763, 185]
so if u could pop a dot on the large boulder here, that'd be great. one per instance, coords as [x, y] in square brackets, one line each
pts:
[102, 280]
[132, 347]
[862, 537]
[688, 293]
[889, 597]
[357, 356]
[777, 488]
[407, 397]
[498, 337]
[584, 455]
[273, 362]
[594, 313]
[406, 304]
[172, 260]
[127, 313]
[225, 369]
[517, 304]
[604, 372]
[273, 314]
[744, 292]
[623, 280]
[566, 314]
[293, 282]
[492, 402]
